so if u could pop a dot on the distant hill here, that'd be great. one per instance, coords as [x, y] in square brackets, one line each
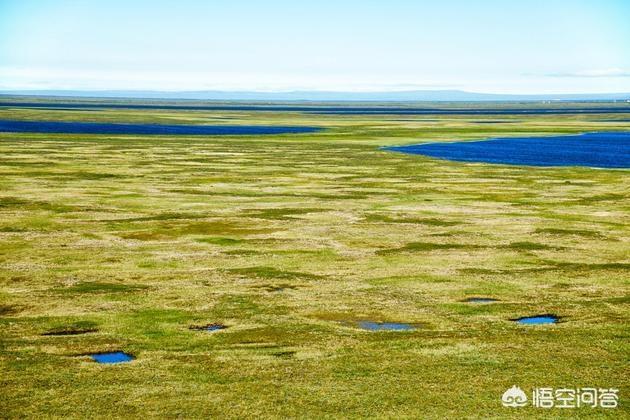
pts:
[400, 96]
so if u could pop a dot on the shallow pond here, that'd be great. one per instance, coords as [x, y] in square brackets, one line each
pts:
[65, 127]
[597, 150]
[537, 319]
[385, 326]
[112, 357]
[208, 327]
[480, 300]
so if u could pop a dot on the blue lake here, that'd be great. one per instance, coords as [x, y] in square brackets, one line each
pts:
[596, 150]
[63, 127]
[466, 111]
[112, 357]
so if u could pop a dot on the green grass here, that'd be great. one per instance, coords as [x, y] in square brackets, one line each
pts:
[125, 242]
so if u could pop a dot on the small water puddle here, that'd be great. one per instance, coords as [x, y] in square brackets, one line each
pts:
[537, 319]
[385, 326]
[112, 357]
[480, 300]
[208, 327]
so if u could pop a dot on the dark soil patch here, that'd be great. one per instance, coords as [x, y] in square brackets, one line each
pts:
[280, 213]
[411, 220]
[264, 272]
[427, 247]
[98, 287]
[529, 246]
[276, 288]
[70, 331]
[8, 310]
[284, 354]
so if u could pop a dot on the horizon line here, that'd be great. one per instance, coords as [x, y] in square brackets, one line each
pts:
[306, 90]
[401, 96]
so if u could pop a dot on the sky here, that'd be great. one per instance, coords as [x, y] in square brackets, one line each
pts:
[510, 46]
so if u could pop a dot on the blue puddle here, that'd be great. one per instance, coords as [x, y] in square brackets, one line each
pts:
[214, 327]
[385, 326]
[65, 127]
[112, 357]
[537, 319]
[595, 150]
[480, 300]
[208, 327]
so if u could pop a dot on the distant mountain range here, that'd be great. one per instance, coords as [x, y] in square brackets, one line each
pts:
[394, 96]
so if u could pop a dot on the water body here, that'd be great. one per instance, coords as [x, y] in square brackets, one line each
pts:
[214, 327]
[385, 326]
[327, 109]
[209, 327]
[480, 300]
[537, 319]
[63, 127]
[596, 150]
[112, 357]
[472, 111]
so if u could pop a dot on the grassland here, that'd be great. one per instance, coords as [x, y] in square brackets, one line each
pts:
[127, 241]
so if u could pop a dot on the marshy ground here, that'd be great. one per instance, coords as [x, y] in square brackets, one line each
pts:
[123, 242]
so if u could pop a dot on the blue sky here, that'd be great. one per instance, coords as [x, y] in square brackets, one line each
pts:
[550, 46]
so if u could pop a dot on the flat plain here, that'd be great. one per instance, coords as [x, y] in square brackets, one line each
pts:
[125, 242]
